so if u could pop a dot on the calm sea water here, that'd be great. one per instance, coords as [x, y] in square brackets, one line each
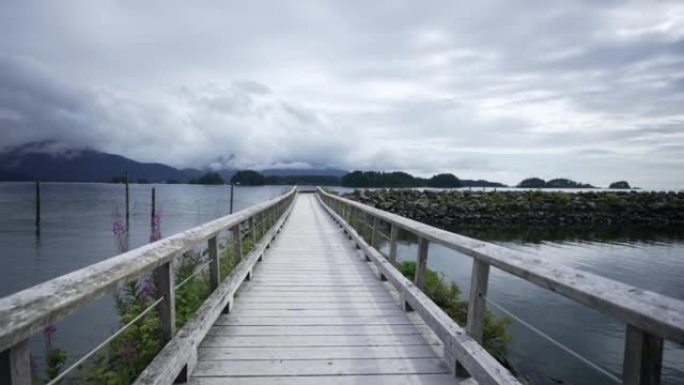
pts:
[77, 231]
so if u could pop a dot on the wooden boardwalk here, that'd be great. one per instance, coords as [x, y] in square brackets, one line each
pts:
[315, 312]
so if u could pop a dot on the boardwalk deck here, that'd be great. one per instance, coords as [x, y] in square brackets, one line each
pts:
[315, 313]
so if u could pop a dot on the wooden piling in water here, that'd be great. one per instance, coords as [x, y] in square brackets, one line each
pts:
[154, 207]
[231, 196]
[37, 204]
[128, 201]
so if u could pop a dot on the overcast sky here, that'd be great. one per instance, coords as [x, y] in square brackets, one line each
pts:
[592, 90]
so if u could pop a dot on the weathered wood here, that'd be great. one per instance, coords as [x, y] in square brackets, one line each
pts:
[655, 313]
[153, 210]
[179, 352]
[421, 263]
[15, 364]
[214, 263]
[317, 352]
[394, 241]
[477, 305]
[298, 341]
[376, 231]
[232, 194]
[252, 230]
[375, 379]
[237, 242]
[164, 283]
[319, 367]
[643, 359]
[313, 330]
[481, 365]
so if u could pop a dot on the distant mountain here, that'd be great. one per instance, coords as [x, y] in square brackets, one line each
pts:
[41, 161]
[49, 161]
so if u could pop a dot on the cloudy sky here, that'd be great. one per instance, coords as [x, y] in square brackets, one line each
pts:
[592, 90]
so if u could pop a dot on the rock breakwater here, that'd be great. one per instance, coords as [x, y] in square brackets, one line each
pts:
[452, 207]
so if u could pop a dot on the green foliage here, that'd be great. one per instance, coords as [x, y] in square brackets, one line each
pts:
[446, 295]
[532, 183]
[54, 360]
[192, 294]
[129, 353]
[444, 180]
[553, 183]
[210, 178]
[620, 185]
[247, 178]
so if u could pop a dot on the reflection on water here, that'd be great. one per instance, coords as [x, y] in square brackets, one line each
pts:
[649, 258]
[572, 233]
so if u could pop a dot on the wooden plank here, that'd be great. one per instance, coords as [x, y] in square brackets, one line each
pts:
[294, 321]
[28, 311]
[655, 313]
[316, 352]
[384, 379]
[347, 306]
[319, 367]
[317, 330]
[329, 341]
[294, 312]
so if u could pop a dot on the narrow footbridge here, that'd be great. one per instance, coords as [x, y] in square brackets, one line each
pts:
[311, 300]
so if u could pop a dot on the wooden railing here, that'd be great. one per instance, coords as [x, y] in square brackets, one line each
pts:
[28, 311]
[649, 317]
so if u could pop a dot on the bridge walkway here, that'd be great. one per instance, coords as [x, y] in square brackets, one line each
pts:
[314, 312]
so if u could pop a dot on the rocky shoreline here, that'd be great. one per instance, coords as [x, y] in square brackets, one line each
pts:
[444, 208]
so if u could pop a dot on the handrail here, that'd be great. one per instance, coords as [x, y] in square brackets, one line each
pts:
[27, 311]
[458, 345]
[650, 317]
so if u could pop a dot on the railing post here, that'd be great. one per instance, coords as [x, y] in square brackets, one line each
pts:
[165, 285]
[421, 263]
[374, 234]
[643, 358]
[15, 364]
[214, 268]
[477, 305]
[252, 229]
[394, 239]
[237, 240]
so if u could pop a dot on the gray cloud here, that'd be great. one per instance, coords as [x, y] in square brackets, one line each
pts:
[490, 89]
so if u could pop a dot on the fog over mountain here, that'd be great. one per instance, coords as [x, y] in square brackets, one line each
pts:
[497, 90]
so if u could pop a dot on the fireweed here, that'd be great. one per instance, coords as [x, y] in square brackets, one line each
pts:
[130, 353]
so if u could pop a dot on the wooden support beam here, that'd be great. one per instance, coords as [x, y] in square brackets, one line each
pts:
[15, 364]
[214, 263]
[477, 305]
[165, 285]
[421, 263]
[643, 358]
[237, 241]
[394, 240]
[252, 229]
[374, 234]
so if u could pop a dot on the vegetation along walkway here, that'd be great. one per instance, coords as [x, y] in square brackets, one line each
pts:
[314, 312]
